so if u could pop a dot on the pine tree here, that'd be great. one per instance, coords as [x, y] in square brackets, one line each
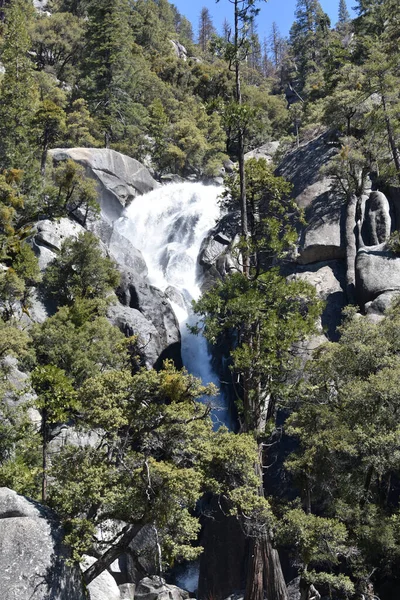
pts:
[276, 45]
[108, 66]
[18, 94]
[309, 37]
[344, 15]
[206, 29]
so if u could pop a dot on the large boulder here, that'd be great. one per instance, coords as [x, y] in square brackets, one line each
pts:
[302, 167]
[119, 247]
[136, 293]
[104, 587]
[155, 588]
[151, 348]
[33, 559]
[120, 178]
[323, 238]
[49, 236]
[377, 272]
[329, 280]
[377, 223]
[266, 151]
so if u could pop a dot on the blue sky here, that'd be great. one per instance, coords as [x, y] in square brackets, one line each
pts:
[281, 11]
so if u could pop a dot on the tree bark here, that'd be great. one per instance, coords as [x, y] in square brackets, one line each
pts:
[102, 563]
[44, 455]
[242, 176]
[392, 142]
[351, 249]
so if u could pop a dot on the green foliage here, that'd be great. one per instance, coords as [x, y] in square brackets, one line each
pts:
[18, 95]
[80, 271]
[56, 397]
[158, 455]
[71, 193]
[80, 348]
[268, 315]
[345, 420]
[272, 214]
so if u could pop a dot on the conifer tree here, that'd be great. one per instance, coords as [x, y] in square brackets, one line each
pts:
[308, 39]
[206, 29]
[18, 95]
[108, 66]
[344, 15]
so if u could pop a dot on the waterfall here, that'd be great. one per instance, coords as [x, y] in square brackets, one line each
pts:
[168, 226]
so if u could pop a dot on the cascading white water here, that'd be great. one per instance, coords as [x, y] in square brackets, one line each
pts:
[168, 226]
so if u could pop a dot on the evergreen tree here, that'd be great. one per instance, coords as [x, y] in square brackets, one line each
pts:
[344, 15]
[276, 43]
[108, 67]
[309, 36]
[206, 29]
[18, 94]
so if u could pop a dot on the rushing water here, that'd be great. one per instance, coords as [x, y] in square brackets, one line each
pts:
[168, 226]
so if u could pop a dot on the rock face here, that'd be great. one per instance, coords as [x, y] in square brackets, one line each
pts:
[155, 588]
[120, 178]
[377, 221]
[104, 587]
[50, 235]
[377, 272]
[266, 151]
[377, 268]
[179, 50]
[32, 556]
[323, 238]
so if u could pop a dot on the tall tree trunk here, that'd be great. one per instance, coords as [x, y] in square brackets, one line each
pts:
[44, 455]
[102, 563]
[264, 574]
[255, 572]
[392, 141]
[242, 176]
[274, 581]
[351, 249]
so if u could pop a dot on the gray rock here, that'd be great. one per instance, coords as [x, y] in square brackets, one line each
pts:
[215, 256]
[153, 304]
[377, 272]
[302, 168]
[104, 587]
[229, 166]
[52, 234]
[323, 238]
[120, 178]
[49, 236]
[119, 247]
[131, 322]
[155, 588]
[382, 303]
[127, 591]
[40, 5]
[174, 295]
[32, 556]
[171, 178]
[377, 223]
[266, 151]
[142, 556]
[329, 279]
[179, 49]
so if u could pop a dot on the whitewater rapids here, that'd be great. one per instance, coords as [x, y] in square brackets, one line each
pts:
[168, 225]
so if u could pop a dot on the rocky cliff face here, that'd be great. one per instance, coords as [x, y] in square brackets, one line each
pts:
[33, 560]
